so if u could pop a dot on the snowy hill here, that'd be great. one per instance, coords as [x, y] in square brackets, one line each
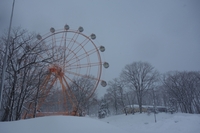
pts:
[166, 123]
[139, 123]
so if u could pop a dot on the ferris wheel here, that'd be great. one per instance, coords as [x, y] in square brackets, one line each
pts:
[74, 56]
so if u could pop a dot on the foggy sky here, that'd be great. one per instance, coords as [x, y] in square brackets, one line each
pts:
[165, 33]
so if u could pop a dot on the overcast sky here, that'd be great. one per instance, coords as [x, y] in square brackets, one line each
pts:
[165, 33]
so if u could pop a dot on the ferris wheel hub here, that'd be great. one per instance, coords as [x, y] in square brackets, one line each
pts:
[57, 70]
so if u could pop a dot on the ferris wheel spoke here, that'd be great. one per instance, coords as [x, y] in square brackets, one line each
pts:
[65, 46]
[79, 47]
[74, 55]
[82, 56]
[71, 67]
[63, 39]
[53, 43]
[72, 42]
[81, 75]
[77, 61]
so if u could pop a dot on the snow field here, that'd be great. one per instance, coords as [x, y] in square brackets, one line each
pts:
[166, 123]
[137, 123]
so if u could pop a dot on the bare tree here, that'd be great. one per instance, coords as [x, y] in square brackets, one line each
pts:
[184, 88]
[23, 66]
[196, 100]
[82, 89]
[140, 76]
[116, 95]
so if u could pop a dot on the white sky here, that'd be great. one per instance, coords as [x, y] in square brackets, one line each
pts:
[165, 33]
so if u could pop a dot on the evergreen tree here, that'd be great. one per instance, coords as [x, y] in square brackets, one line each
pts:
[172, 105]
[103, 110]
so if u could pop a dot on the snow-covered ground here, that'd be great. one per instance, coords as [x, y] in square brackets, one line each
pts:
[166, 123]
[138, 123]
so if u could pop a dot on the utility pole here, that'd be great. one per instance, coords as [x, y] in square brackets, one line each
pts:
[5, 57]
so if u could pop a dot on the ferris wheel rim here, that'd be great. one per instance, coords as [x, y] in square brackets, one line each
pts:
[98, 78]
